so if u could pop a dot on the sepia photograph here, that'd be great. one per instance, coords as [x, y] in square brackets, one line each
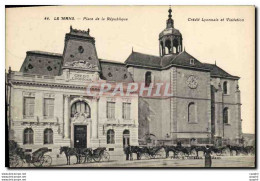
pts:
[130, 87]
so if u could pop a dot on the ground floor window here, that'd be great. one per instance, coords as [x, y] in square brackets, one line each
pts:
[111, 136]
[28, 136]
[48, 136]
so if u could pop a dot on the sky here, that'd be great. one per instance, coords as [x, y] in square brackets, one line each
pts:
[231, 44]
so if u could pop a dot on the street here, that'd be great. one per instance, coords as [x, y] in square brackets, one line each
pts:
[225, 161]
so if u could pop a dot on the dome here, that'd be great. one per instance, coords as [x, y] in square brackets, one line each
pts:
[169, 31]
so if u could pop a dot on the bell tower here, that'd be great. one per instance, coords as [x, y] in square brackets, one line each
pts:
[170, 39]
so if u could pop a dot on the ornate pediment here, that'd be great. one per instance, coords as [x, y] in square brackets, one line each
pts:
[80, 117]
[83, 64]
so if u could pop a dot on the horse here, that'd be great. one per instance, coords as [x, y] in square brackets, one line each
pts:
[169, 149]
[247, 150]
[70, 152]
[233, 148]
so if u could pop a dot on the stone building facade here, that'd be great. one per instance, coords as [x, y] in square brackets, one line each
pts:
[51, 106]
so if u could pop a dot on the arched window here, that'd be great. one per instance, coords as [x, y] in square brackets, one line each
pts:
[79, 108]
[191, 113]
[175, 46]
[48, 136]
[148, 79]
[168, 48]
[110, 137]
[225, 87]
[225, 115]
[28, 136]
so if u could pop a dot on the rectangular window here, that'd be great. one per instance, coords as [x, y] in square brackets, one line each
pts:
[49, 107]
[29, 107]
[111, 110]
[126, 110]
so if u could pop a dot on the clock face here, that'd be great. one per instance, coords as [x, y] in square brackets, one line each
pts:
[192, 82]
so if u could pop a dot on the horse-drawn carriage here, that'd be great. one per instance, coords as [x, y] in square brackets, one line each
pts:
[17, 156]
[179, 151]
[84, 155]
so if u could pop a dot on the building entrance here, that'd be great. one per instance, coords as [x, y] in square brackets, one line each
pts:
[80, 136]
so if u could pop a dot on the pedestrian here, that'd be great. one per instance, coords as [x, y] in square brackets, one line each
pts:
[208, 160]
[127, 150]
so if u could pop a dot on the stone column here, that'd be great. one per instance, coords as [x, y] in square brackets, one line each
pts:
[95, 118]
[66, 117]
[171, 51]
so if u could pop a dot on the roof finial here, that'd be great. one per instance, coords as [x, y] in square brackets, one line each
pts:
[170, 20]
[132, 49]
[184, 49]
[70, 28]
[215, 62]
[170, 12]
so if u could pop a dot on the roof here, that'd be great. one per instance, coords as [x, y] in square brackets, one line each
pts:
[42, 63]
[186, 60]
[182, 59]
[114, 71]
[169, 31]
[44, 53]
[216, 71]
[141, 59]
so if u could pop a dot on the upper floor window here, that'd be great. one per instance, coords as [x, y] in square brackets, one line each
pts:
[148, 79]
[48, 136]
[225, 87]
[28, 106]
[49, 107]
[225, 115]
[110, 136]
[80, 108]
[111, 110]
[126, 110]
[28, 136]
[192, 113]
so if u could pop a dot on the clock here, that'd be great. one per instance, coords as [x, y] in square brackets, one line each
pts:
[192, 82]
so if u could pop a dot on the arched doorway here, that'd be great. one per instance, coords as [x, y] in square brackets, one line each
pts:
[80, 111]
[126, 138]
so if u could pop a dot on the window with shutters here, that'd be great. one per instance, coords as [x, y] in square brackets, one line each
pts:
[48, 108]
[28, 136]
[48, 136]
[111, 110]
[126, 110]
[29, 107]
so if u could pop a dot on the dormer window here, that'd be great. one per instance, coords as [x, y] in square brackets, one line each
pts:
[192, 61]
[81, 49]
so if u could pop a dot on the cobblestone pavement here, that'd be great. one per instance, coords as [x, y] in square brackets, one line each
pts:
[227, 161]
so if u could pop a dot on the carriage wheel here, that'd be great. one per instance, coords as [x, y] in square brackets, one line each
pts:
[226, 152]
[161, 154]
[97, 158]
[180, 154]
[38, 163]
[218, 153]
[193, 152]
[145, 156]
[105, 156]
[15, 161]
[46, 161]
